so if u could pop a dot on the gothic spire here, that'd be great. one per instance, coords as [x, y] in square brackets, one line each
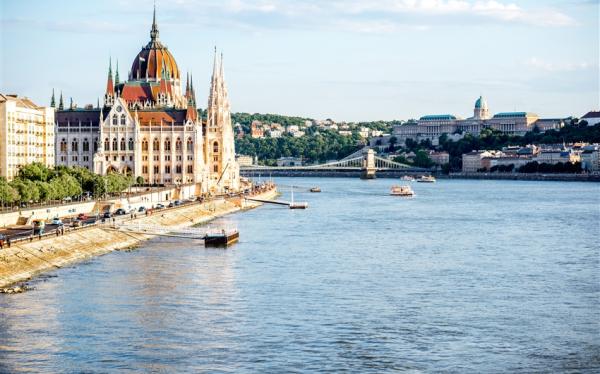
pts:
[61, 106]
[110, 88]
[117, 74]
[154, 30]
[52, 100]
[187, 86]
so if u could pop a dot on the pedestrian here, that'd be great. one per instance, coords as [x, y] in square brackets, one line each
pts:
[8, 241]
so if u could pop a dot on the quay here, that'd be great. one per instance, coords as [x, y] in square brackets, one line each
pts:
[25, 259]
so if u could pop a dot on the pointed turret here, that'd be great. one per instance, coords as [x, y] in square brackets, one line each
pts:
[187, 86]
[117, 74]
[192, 92]
[110, 88]
[71, 103]
[52, 100]
[61, 106]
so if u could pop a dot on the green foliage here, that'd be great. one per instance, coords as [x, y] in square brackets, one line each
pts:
[27, 190]
[422, 159]
[139, 180]
[34, 172]
[535, 167]
[323, 146]
[245, 119]
[8, 194]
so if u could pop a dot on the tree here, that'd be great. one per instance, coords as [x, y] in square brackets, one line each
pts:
[34, 172]
[8, 194]
[28, 191]
[139, 180]
[422, 159]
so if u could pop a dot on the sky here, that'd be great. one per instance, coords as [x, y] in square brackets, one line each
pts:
[349, 60]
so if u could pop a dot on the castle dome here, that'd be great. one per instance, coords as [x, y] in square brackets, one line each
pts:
[153, 59]
[481, 103]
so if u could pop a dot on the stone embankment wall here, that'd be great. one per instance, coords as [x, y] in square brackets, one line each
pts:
[400, 173]
[24, 260]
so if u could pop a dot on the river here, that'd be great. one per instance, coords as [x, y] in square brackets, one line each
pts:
[468, 276]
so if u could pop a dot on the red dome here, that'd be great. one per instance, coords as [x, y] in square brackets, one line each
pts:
[151, 60]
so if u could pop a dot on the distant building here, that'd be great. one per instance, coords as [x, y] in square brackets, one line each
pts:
[363, 132]
[26, 134]
[256, 131]
[289, 161]
[439, 158]
[275, 133]
[432, 126]
[472, 161]
[592, 118]
[554, 156]
[244, 160]
[590, 158]
[345, 132]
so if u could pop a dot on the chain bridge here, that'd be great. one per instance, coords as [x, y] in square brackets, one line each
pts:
[364, 161]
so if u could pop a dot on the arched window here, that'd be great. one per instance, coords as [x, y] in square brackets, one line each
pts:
[190, 145]
[144, 145]
[156, 144]
[131, 144]
[96, 145]
[115, 119]
[178, 145]
[122, 119]
[63, 145]
[74, 145]
[86, 145]
[216, 147]
[115, 145]
[106, 144]
[122, 144]
[167, 145]
[216, 168]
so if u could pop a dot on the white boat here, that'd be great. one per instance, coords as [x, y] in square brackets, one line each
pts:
[426, 179]
[407, 178]
[405, 191]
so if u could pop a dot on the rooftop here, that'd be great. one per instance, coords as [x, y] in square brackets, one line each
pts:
[434, 117]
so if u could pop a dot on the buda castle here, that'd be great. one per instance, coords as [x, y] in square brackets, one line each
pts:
[149, 127]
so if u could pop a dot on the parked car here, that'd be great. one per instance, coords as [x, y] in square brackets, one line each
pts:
[56, 221]
[120, 212]
[141, 209]
[171, 205]
[76, 223]
[177, 202]
[3, 239]
[82, 216]
[107, 215]
[159, 206]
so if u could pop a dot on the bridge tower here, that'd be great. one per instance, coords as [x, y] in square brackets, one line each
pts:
[368, 166]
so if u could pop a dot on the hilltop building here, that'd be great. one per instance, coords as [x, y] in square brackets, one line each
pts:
[149, 127]
[431, 127]
[26, 134]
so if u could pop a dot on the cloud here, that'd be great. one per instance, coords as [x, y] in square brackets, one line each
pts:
[546, 66]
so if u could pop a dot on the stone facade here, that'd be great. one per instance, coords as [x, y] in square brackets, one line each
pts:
[26, 134]
[150, 128]
[431, 127]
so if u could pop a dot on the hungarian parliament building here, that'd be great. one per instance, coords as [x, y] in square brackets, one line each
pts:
[431, 127]
[149, 127]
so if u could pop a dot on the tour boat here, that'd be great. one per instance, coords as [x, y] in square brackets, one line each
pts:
[315, 189]
[426, 179]
[407, 178]
[402, 191]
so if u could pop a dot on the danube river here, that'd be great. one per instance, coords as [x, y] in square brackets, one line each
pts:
[469, 276]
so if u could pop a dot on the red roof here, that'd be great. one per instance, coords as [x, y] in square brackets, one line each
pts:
[167, 117]
[132, 93]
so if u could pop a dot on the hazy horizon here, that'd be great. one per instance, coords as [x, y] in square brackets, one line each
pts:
[354, 60]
